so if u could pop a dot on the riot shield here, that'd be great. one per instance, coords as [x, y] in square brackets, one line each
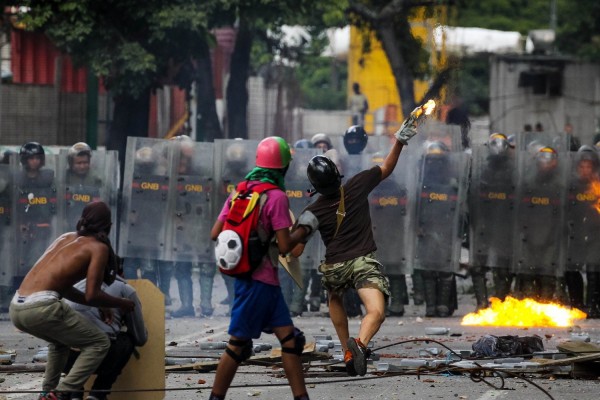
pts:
[583, 212]
[35, 212]
[190, 216]
[297, 185]
[491, 206]
[7, 236]
[430, 130]
[540, 210]
[440, 195]
[144, 213]
[233, 160]
[78, 186]
[392, 215]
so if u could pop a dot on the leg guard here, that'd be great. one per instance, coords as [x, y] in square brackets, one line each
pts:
[574, 281]
[418, 288]
[429, 279]
[480, 287]
[246, 347]
[299, 342]
[593, 294]
[445, 301]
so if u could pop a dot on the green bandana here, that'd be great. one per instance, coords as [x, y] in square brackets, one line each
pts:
[273, 176]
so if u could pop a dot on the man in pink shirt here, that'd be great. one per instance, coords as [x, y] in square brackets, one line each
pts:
[258, 305]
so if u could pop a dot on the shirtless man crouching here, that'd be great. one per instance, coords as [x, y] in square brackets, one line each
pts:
[38, 310]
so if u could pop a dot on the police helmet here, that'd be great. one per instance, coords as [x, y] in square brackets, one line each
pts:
[378, 158]
[355, 139]
[436, 148]
[512, 140]
[321, 138]
[546, 155]
[146, 155]
[186, 145]
[236, 153]
[587, 152]
[324, 175]
[498, 143]
[79, 149]
[303, 144]
[31, 149]
[6, 154]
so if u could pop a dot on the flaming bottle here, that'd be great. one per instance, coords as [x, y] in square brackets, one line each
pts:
[425, 109]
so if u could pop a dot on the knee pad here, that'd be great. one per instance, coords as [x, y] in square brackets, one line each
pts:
[245, 345]
[299, 342]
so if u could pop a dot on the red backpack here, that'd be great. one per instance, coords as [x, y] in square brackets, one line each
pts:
[239, 249]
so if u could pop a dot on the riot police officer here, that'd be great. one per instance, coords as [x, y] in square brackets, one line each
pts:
[7, 235]
[391, 220]
[583, 227]
[436, 228]
[82, 183]
[355, 141]
[490, 210]
[142, 238]
[192, 172]
[36, 206]
[540, 210]
[321, 141]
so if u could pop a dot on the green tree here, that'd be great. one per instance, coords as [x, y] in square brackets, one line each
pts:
[577, 22]
[255, 18]
[136, 47]
[578, 28]
[389, 20]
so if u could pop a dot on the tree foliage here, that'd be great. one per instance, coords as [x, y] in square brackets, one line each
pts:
[577, 22]
[133, 45]
[390, 21]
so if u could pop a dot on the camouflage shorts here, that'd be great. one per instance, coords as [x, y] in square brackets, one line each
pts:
[360, 272]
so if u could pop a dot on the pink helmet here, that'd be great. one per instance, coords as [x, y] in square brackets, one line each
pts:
[273, 152]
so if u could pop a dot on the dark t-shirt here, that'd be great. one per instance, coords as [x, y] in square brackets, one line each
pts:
[355, 235]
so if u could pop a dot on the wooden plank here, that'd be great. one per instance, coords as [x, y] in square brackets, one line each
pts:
[575, 346]
[567, 361]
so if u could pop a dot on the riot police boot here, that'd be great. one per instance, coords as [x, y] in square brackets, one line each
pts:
[430, 292]
[480, 288]
[398, 293]
[418, 288]
[207, 280]
[574, 283]
[593, 295]
[547, 287]
[314, 304]
[352, 303]
[445, 305]
[186, 297]
[526, 286]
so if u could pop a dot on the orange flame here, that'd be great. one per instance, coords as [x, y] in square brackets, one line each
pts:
[594, 189]
[523, 313]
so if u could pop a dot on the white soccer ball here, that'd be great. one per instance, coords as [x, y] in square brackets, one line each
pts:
[228, 249]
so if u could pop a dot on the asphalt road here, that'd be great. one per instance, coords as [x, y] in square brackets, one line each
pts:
[267, 381]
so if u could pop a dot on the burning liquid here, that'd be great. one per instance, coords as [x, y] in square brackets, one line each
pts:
[524, 313]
